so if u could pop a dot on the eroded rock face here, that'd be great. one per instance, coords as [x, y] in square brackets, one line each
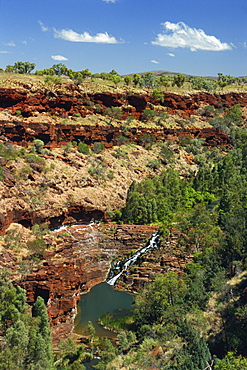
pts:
[80, 263]
[54, 135]
[74, 213]
[76, 101]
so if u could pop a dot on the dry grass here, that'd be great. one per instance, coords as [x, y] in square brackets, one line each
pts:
[91, 85]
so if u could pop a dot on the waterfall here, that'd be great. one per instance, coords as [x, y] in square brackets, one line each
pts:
[153, 243]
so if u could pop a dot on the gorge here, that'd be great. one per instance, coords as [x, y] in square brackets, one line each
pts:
[79, 257]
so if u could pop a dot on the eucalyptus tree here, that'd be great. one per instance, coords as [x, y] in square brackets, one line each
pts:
[23, 67]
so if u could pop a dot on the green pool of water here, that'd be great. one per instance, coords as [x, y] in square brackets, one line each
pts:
[101, 299]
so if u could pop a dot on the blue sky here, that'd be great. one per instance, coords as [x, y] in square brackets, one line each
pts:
[189, 36]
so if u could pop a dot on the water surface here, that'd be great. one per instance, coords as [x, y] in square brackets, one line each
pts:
[101, 299]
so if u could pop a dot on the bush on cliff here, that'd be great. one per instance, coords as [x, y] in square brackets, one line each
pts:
[83, 148]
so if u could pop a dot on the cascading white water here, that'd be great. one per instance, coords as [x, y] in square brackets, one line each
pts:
[153, 243]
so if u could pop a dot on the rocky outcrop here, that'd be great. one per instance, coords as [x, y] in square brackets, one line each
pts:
[75, 100]
[53, 135]
[74, 213]
[168, 257]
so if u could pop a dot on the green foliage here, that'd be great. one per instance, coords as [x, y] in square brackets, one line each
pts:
[33, 158]
[199, 229]
[164, 81]
[200, 83]
[97, 108]
[148, 80]
[12, 240]
[97, 170]
[178, 80]
[147, 139]
[110, 175]
[122, 139]
[59, 69]
[114, 113]
[106, 355]
[38, 144]
[157, 94]
[91, 331]
[26, 341]
[83, 148]
[234, 115]
[154, 164]
[160, 198]
[116, 79]
[1, 173]
[136, 79]
[125, 339]
[9, 68]
[23, 67]
[231, 362]
[159, 297]
[10, 151]
[77, 114]
[36, 162]
[71, 355]
[166, 154]
[53, 80]
[18, 113]
[149, 114]
[127, 80]
[98, 147]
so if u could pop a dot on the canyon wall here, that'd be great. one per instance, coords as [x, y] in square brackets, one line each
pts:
[76, 100]
[53, 135]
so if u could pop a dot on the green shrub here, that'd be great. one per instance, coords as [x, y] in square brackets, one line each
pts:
[119, 152]
[98, 147]
[98, 108]
[33, 158]
[25, 171]
[1, 173]
[122, 140]
[18, 113]
[97, 171]
[110, 175]
[149, 114]
[83, 148]
[38, 144]
[53, 79]
[154, 164]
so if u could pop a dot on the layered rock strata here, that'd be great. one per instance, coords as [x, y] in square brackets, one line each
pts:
[76, 100]
[54, 135]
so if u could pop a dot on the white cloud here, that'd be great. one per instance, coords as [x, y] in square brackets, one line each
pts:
[180, 35]
[4, 52]
[154, 61]
[110, 1]
[24, 42]
[70, 35]
[43, 27]
[11, 43]
[170, 54]
[58, 57]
